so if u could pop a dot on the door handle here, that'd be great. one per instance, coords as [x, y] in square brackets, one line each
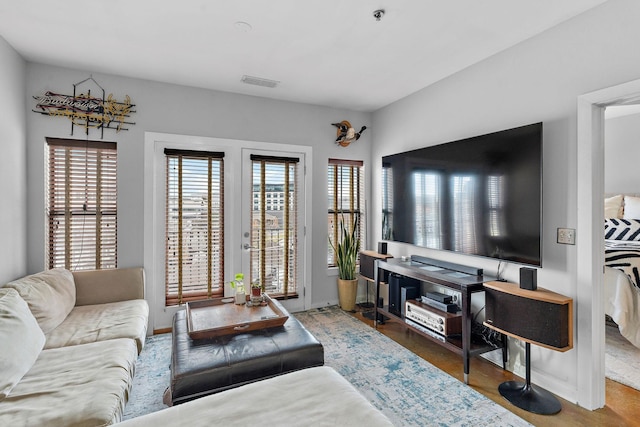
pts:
[247, 246]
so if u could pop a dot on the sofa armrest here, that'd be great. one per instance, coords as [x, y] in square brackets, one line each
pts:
[104, 286]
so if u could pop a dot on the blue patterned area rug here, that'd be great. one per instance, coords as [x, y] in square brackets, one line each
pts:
[151, 377]
[409, 390]
[405, 387]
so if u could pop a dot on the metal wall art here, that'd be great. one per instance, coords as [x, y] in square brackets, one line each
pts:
[86, 110]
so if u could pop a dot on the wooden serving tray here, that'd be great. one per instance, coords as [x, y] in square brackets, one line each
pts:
[221, 316]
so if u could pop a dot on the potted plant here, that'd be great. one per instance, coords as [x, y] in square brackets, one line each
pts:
[238, 285]
[256, 289]
[346, 254]
[256, 292]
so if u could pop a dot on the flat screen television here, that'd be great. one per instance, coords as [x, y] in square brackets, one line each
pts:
[477, 196]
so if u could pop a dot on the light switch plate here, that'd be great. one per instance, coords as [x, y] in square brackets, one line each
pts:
[567, 236]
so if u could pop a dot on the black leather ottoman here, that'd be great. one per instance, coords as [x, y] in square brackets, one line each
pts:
[202, 367]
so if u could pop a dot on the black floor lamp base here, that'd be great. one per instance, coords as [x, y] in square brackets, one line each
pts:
[530, 398]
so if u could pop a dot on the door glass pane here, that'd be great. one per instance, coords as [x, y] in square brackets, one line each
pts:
[194, 255]
[274, 238]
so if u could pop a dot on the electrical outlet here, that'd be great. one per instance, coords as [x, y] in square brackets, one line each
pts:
[567, 236]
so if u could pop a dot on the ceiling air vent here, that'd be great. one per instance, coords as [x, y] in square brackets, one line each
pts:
[259, 81]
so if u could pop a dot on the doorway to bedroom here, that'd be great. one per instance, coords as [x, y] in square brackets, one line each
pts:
[622, 244]
[590, 321]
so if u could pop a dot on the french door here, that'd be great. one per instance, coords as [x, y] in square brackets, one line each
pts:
[273, 223]
[260, 207]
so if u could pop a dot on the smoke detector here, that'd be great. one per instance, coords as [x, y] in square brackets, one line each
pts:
[259, 81]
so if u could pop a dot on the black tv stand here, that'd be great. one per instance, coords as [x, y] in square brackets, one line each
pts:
[463, 279]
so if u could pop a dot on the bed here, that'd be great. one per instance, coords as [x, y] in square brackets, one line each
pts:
[622, 261]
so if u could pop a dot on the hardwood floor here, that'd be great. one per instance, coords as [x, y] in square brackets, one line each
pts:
[622, 402]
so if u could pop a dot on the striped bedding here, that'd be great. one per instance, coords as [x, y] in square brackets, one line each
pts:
[624, 255]
[622, 278]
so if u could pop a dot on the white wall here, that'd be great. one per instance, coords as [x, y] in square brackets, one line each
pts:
[537, 80]
[13, 172]
[184, 110]
[621, 154]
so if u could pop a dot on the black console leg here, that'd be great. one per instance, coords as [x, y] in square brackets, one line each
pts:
[505, 351]
[466, 332]
[527, 396]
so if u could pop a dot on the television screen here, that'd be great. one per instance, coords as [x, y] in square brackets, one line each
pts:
[477, 196]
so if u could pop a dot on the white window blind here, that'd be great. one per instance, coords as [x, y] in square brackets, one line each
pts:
[274, 225]
[345, 190]
[194, 261]
[81, 204]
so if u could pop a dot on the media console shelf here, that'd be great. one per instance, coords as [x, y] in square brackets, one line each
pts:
[462, 279]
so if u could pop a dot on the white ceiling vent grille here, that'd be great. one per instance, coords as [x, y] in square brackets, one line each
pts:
[259, 81]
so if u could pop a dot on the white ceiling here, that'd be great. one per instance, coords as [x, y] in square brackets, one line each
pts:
[324, 52]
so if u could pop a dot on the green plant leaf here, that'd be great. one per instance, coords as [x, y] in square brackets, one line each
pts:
[346, 250]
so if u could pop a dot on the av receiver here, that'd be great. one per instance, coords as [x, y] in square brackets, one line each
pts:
[433, 319]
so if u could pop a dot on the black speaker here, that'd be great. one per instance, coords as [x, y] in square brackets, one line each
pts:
[528, 278]
[396, 283]
[382, 248]
[367, 265]
[394, 293]
[539, 321]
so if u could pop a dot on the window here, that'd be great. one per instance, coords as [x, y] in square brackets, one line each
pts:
[345, 182]
[274, 235]
[194, 256]
[81, 206]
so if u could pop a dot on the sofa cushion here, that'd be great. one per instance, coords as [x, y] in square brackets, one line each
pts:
[89, 323]
[21, 338]
[81, 385]
[50, 294]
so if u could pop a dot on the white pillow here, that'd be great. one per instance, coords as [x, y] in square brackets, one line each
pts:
[21, 337]
[631, 207]
[613, 207]
[51, 295]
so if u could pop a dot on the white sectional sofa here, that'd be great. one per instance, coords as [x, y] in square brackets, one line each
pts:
[69, 343]
[317, 396]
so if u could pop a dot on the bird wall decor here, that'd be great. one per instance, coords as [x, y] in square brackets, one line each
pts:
[346, 133]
